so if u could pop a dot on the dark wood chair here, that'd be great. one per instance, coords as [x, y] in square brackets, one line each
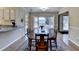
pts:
[53, 39]
[31, 40]
[31, 43]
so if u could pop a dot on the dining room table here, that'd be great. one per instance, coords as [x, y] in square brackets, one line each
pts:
[40, 34]
[42, 45]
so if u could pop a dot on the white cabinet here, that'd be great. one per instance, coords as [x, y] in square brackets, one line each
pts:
[12, 14]
[1, 14]
[6, 14]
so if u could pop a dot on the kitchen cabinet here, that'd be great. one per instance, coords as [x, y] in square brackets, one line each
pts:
[6, 14]
[12, 14]
[1, 14]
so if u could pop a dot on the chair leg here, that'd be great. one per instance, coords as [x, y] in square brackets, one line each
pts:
[50, 46]
[36, 44]
[56, 43]
[30, 45]
[30, 48]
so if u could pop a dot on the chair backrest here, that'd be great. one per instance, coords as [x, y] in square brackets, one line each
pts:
[36, 37]
[55, 33]
[45, 35]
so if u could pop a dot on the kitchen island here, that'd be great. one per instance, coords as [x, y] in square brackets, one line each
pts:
[8, 28]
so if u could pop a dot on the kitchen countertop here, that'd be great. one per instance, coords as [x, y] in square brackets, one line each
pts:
[8, 28]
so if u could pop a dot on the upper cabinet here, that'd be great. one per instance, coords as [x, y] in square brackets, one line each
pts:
[7, 14]
[12, 14]
[1, 14]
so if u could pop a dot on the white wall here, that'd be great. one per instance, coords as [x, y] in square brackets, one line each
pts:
[74, 23]
[20, 14]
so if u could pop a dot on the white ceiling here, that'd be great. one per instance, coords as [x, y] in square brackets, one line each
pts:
[37, 9]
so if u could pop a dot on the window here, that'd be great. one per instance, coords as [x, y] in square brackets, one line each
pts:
[65, 22]
[35, 22]
[42, 21]
[47, 22]
[51, 22]
[26, 21]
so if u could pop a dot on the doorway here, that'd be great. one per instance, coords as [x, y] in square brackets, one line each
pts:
[63, 23]
[63, 26]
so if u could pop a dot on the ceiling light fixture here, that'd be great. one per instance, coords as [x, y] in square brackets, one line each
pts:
[43, 8]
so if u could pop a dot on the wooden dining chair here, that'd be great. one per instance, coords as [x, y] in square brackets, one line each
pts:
[53, 40]
[31, 41]
[46, 40]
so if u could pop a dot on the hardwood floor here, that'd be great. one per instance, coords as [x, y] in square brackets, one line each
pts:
[61, 45]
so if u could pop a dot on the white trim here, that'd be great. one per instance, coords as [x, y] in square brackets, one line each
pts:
[62, 9]
[74, 42]
[11, 43]
[75, 28]
[25, 9]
